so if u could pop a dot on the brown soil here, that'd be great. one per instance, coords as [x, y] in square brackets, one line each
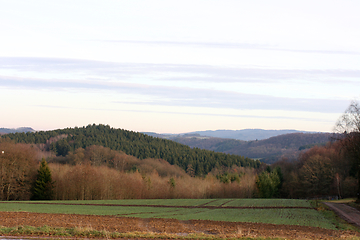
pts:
[122, 224]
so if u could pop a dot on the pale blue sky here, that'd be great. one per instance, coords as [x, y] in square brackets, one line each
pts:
[178, 66]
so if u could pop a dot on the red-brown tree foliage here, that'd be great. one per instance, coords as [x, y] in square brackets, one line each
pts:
[87, 182]
[319, 172]
[18, 167]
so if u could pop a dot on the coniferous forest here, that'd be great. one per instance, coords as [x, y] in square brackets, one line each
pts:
[132, 143]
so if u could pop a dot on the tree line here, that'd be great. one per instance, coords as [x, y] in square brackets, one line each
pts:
[97, 172]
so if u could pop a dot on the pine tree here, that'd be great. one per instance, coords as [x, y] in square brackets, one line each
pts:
[43, 186]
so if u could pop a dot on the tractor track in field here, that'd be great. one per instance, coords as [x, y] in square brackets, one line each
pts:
[170, 206]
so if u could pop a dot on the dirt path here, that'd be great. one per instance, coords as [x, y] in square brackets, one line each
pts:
[181, 228]
[350, 214]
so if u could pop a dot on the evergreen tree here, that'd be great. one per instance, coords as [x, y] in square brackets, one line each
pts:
[268, 184]
[62, 148]
[43, 186]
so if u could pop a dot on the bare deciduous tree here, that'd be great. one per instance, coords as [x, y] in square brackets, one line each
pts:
[349, 126]
[17, 170]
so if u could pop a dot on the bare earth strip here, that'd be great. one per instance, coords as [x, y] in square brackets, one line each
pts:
[346, 212]
[125, 224]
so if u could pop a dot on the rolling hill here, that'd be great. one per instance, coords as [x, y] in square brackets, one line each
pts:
[267, 150]
[63, 141]
[268, 146]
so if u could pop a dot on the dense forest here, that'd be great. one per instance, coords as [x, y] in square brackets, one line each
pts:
[65, 141]
[98, 172]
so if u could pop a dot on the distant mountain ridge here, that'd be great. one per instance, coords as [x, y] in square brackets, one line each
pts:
[244, 134]
[266, 145]
[15, 130]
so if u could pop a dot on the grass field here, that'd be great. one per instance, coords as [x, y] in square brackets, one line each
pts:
[176, 209]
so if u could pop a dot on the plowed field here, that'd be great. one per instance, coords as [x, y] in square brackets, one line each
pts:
[181, 228]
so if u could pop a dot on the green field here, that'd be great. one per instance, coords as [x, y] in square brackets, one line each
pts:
[288, 215]
[195, 202]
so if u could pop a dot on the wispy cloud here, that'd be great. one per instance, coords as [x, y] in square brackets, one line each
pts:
[230, 45]
[193, 44]
[310, 119]
[159, 83]
[184, 96]
[85, 69]
[239, 101]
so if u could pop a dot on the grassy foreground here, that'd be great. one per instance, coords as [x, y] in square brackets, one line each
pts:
[90, 233]
[174, 209]
[59, 233]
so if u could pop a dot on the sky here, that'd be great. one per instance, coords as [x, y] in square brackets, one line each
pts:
[178, 66]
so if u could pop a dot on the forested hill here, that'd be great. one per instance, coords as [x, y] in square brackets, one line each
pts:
[132, 143]
[268, 150]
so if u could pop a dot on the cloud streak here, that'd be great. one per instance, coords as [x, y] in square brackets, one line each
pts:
[189, 113]
[229, 45]
[184, 96]
[172, 85]
[87, 69]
